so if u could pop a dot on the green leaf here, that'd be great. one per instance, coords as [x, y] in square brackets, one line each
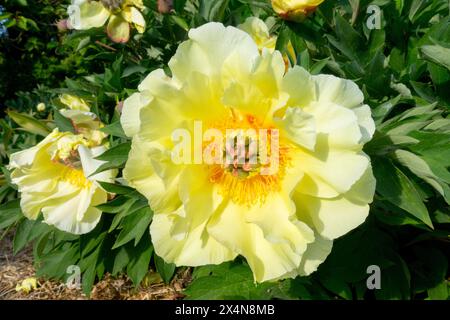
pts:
[428, 268]
[27, 231]
[397, 188]
[64, 124]
[28, 123]
[121, 260]
[213, 10]
[395, 282]
[10, 213]
[166, 270]
[226, 281]
[439, 292]
[114, 157]
[134, 226]
[436, 54]
[116, 188]
[117, 154]
[114, 129]
[420, 168]
[139, 265]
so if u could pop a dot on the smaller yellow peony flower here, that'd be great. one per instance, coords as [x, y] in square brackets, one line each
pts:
[83, 120]
[295, 10]
[54, 177]
[27, 285]
[86, 14]
[259, 31]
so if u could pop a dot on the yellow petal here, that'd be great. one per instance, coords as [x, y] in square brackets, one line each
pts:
[134, 16]
[153, 174]
[268, 257]
[209, 46]
[335, 217]
[330, 171]
[299, 127]
[259, 31]
[300, 86]
[196, 248]
[88, 14]
[74, 103]
[59, 211]
[118, 29]
[339, 124]
[315, 254]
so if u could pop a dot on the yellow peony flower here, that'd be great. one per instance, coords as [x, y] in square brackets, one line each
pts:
[295, 10]
[54, 177]
[282, 221]
[27, 285]
[83, 120]
[86, 14]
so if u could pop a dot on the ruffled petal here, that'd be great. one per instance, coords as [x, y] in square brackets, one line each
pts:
[70, 213]
[299, 127]
[334, 217]
[338, 91]
[209, 46]
[89, 14]
[270, 252]
[195, 248]
[152, 173]
[300, 86]
[330, 171]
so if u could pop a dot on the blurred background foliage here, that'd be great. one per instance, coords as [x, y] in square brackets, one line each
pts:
[403, 69]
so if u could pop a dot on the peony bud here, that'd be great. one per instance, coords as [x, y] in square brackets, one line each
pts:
[295, 10]
[41, 107]
[165, 6]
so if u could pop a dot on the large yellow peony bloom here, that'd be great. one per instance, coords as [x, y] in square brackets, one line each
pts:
[284, 222]
[295, 10]
[86, 14]
[54, 177]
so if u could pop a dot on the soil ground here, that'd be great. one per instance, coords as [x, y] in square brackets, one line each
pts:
[14, 269]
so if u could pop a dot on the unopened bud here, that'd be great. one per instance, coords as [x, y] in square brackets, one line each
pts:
[165, 6]
[63, 25]
[41, 107]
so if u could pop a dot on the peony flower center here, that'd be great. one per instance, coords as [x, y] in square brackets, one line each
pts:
[75, 177]
[253, 163]
[71, 167]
